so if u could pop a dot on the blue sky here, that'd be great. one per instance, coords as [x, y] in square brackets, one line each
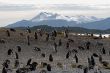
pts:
[15, 10]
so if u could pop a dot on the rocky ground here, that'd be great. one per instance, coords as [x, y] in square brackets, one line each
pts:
[19, 38]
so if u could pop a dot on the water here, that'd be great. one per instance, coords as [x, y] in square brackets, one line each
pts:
[96, 35]
[103, 35]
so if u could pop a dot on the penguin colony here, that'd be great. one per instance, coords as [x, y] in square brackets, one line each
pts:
[26, 51]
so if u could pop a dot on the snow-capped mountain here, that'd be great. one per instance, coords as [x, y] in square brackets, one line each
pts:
[57, 20]
[44, 16]
[51, 16]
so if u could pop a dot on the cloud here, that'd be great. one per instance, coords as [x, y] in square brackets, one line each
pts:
[66, 7]
[73, 7]
[16, 7]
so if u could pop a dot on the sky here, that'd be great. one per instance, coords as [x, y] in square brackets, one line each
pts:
[15, 10]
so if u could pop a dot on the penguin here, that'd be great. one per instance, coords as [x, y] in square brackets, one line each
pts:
[19, 48]
[10, 51]
[67, 55]
[103, 51]
[92, 61]
[4, 70]
[35, 35]
[50, 58]
[8, 33]
[76, 58]
[33, 66]
[29, 61]
[16, 63]
[17, 57]
[85, 70]
[60, 42]
[48, 67]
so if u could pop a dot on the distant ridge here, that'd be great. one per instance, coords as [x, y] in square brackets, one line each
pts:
[71, 29]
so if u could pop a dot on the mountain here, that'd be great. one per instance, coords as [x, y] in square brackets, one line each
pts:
[22, 23]
[51, 16]
[57, 20]
[102, 25]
